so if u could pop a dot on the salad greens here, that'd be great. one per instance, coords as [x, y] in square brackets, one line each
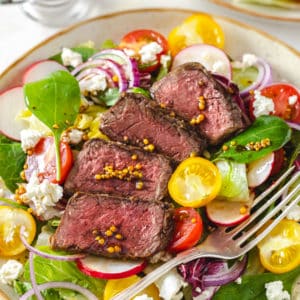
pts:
[265, 127]
[278, 3]
[47, 270]
[55, 101]
[253, 286]
[12, 159]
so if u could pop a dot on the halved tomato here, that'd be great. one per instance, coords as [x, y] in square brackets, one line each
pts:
[195, 182]
[43, 160]
[136, 40]
[286, 99]
[198, 28]
[115, 286]
[188, 229]
[279, 251]
[11, 221]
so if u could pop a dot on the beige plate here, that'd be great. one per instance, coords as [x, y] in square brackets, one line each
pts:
[240, 38]
[264, 11]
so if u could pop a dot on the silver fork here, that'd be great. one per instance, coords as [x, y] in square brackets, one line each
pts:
[231, 243]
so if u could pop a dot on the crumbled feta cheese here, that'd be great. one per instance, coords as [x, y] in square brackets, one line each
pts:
[93, 83]
[70, 58]
[42, 197]
[293, 100]
[165, 60]
[149, 51]
[169, 286]
[262, 105]
[142, 297]
[248, 60]
[274, 291]
[75, 136]
[294, 213]
[10, 271]
[219, 67]
[129, 52]
[238, 280]
[29, 138]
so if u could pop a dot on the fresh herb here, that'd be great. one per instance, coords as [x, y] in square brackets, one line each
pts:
[86, 53]
[47, 270]
[55, 101]
[295, 147]
[270, 128]
[12, 159]
[253, 286]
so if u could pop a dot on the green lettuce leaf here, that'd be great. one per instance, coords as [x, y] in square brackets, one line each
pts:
[253, 286]
[47, 270]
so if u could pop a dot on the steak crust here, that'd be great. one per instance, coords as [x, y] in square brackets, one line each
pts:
[180, 91]
[139, 229]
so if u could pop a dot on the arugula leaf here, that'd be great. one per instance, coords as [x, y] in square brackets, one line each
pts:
[55, 101]
[264, 127]
[12, 159]
[5, 140]
[86, 53]
[295, 142]
[253, 286]
[47, 270]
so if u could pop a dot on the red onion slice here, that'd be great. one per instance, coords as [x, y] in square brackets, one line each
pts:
[227, 276]
[61, 284]
[129, 64]
[96, 71]
[47, 255]
[294, 125]
[105, 64]
[32, 278]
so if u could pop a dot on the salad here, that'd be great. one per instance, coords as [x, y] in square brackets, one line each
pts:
[66, 100]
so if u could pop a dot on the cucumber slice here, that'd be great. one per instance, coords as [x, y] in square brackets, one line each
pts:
[244, 77]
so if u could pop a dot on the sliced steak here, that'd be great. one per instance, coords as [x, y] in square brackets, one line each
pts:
[142, 122]
[114, 227]
[185, 87]
[121, 170]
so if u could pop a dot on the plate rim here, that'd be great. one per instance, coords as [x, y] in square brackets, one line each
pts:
[254, 13]
[148, 10]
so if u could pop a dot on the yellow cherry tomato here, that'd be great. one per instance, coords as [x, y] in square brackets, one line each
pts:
[11, 221]
[279, 251]
[198, 28]
[195, 182]
[115, 286]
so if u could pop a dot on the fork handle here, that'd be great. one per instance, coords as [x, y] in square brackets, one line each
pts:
[182, 257]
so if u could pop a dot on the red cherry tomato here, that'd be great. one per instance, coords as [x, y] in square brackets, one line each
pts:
[281, 94]
[137, 39]
[43, 160]
[188, 229]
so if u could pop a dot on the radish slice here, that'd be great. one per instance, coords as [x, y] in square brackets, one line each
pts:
[212, 58]
[227, 213]
[40, 70]
[109, 268]
[11, 103]
[260, 170]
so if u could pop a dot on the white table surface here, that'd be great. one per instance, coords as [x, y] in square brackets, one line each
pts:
[18, 33]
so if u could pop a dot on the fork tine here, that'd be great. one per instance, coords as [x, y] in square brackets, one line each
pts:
[276, 209]
[262, 196]
[267, 230]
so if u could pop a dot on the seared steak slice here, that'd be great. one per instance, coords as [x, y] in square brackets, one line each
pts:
[185, 87]
[121, 170]
[114, 227]
[142, 122]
